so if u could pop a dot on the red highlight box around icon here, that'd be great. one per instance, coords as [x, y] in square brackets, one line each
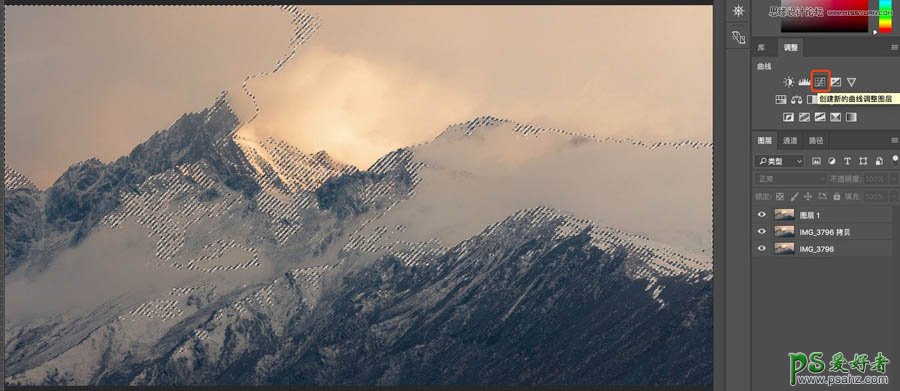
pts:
[812, 81]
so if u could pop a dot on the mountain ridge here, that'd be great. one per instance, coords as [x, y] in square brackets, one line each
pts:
[252, 262]
[395, 323]
[88, 190]
[473, 126]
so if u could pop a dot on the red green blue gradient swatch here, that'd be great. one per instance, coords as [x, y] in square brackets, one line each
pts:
[885, 16]
[826, 23]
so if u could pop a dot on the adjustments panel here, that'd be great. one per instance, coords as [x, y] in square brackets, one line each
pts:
[824, 216]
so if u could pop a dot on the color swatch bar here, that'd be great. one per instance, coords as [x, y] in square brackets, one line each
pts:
[885, 17]
[827, 22]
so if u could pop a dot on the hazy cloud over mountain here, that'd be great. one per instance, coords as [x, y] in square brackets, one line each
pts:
[372, 79]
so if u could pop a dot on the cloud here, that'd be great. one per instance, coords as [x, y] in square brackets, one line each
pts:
[355, 108]
[375, 79]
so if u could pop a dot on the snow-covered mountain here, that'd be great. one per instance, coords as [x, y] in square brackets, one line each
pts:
[497, 253]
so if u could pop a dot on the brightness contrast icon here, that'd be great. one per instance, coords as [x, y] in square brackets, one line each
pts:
[738, 11]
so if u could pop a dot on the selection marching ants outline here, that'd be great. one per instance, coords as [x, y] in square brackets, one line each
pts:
[13, 180]
[305, 24]
[655, 261]
[525, 129]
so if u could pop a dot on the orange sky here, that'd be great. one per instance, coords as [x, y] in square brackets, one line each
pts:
[95, 81]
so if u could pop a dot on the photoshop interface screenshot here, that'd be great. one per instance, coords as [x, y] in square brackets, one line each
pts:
[610, 195]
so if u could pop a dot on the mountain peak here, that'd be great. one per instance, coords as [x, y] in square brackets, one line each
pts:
[276, 161]
[87, 191]
[471, 126]
[323, 155]
[189, 139]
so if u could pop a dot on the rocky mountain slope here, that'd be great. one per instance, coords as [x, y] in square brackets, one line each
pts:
[499, 253]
